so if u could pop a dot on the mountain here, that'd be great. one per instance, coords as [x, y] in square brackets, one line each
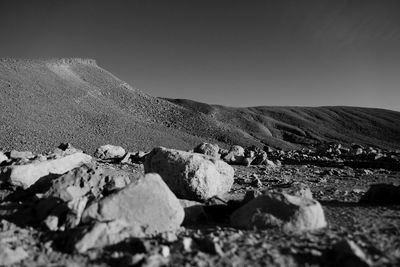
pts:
[46, 102]
[305, 126]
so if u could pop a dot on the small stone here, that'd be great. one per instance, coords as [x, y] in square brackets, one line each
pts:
[109, 152]
[208, 149]
[65, 149]
[187, 243]
[25, 155]
[51, 222]
[165, 252]
[247, 161]
[299, 189]
[3, 157]
[260, 158]
[346, 253]
[235, 155]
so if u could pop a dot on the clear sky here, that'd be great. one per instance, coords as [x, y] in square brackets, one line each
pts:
[235, 53]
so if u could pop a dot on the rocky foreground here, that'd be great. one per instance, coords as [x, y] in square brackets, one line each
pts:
[329, 206]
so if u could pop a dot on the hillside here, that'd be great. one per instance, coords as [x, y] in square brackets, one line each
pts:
[46, 102]
[308, 125]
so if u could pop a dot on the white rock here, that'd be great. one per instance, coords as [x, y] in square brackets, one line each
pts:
[190, 176]
[28, 174]
[208, 149]
[347, 253]
[147, 203]
[3, 157]
[14, 154]
[290, 213]
[235, 155]
[110, 152]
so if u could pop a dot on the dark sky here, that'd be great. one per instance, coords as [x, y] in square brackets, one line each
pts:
[236, 53]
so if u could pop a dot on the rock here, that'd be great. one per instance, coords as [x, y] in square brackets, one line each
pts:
[190, 175]
[98, 180]
[271, 164]
[10, 256]
[357, 151]
[28, 174]
[260, 158]
[24, 155]
[194, 211]
[3, 157]
[103, 234]
[256, 181]
[235, 155]
[155, 260]
[268, 149]
[382, 194]
[137, 157]
[223, 152]
[280, 210]
[347, 254]
[247, 161]
[65, 149]
[109, 152]
[298, 189]
[147, 203]
[201, 244]
[208, 149]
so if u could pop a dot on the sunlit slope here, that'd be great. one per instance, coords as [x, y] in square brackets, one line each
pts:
[46, 102]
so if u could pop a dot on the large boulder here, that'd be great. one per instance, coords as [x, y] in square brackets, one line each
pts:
[109, 152]
[280, 210]
[190, 175]
[208, 149]
[147, 203]
[74, 188]
[28, 174]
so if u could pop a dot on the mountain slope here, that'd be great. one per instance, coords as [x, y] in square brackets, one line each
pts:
[46, 102]
[308, 125]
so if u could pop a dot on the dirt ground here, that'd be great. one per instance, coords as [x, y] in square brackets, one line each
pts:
[375, 229]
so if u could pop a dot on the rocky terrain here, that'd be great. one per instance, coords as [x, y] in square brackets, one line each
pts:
[333, 205]
[183, 183]
[46, 102]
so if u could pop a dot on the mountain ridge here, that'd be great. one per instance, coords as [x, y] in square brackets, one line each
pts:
[48, 101]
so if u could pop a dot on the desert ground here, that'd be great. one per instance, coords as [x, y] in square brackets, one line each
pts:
[94, 172]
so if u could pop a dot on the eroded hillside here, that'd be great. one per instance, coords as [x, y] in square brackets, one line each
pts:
[46, 102]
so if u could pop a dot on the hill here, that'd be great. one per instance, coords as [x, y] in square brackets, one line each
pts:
[46, 102]
[285, 126]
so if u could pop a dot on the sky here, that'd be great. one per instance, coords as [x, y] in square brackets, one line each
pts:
[234, 53]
